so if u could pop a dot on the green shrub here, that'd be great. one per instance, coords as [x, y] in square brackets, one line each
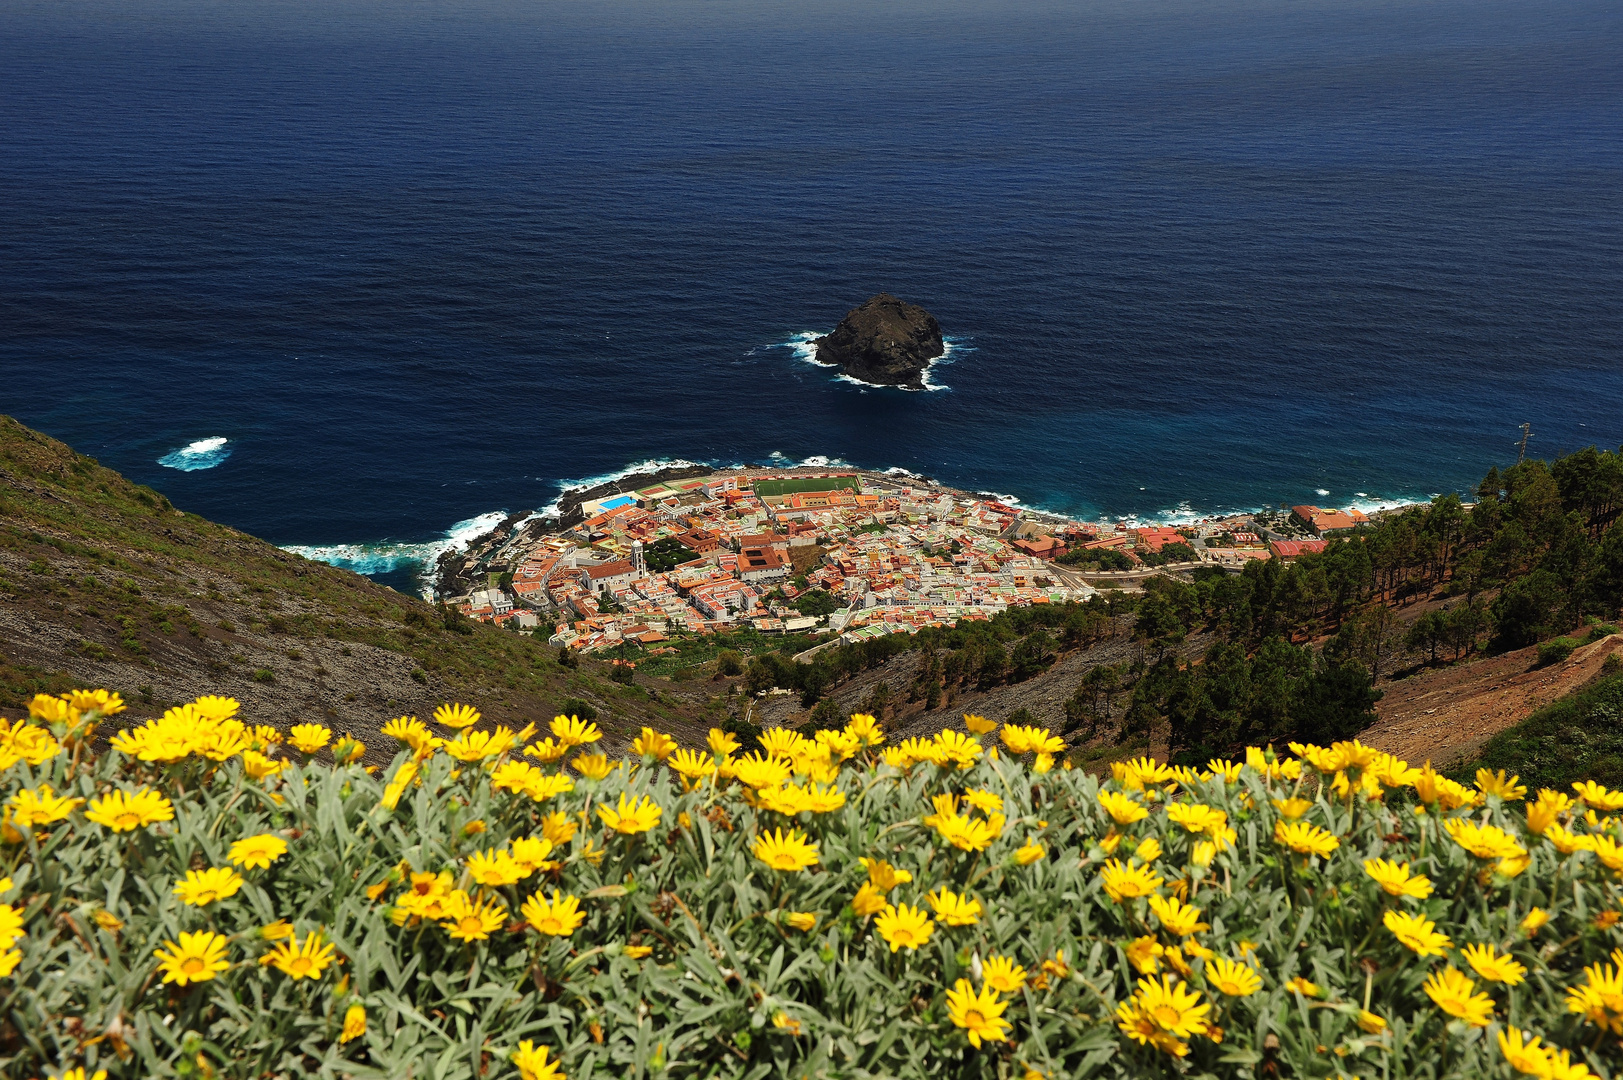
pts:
[1553, 652]
[576, 707]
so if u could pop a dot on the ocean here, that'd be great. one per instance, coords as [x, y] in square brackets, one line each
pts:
[358, 277]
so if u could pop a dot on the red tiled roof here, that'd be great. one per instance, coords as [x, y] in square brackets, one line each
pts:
[610, 569]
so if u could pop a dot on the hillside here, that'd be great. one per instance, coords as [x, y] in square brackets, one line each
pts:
[1448, 714]
[105, 583]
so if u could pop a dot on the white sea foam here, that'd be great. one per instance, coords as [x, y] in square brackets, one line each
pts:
[804, 349]
[1321, 491]
[386, 555]
[1371, 503]
[202, 454]
[777, 459]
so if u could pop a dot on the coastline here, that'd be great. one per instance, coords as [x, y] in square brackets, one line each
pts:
[484, 531]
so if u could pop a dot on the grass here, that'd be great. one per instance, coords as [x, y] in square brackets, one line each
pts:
[773, 488]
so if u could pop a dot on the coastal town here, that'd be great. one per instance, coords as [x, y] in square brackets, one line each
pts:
[836, 552]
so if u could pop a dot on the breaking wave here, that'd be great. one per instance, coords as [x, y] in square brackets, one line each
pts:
[778, 459]
[801, 345]
[202, 454]
[385, 556]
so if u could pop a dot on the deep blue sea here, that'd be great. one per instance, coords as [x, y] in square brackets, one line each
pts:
[416, 262]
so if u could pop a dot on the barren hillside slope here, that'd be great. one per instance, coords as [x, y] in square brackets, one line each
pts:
[1444, 715]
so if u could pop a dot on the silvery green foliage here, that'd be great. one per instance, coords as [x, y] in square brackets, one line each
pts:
[728, 983]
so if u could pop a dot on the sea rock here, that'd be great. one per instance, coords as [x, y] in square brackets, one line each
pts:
[886, 341]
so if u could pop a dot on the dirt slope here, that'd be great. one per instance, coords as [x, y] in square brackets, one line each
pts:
[1444, 715]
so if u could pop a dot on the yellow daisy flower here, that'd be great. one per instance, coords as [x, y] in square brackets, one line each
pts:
[203, 887]
[691, 765]
[979, 1013]
[123, 812]
[354, 1023]
[41, 807]
[297, 961]
[1177, 917]
[1145, 953]
[308, 738]
[1496, 784]
[1172, 1007]
[1123, 808]
[530, 854]
[868, 900]
[1232, 978]
[1526, 1057]
[591, 766]
[1598, 797]
[1125, 882]
[786, 852]
[1417, 933]
[953, 909]
[1452, 990]
[196, 957]
[1292, 809]
[1002, 974]
[573, 731]
[1483, 841]
[1196, 817]
[494, 868]
[1494, 966]
[471, 920]
[456, 717]
[721, 743]
[78, 1073]
[1305, 839]
[559, 917]
[631, 817]
[559, 828]
[257, 851]
[546, 750]
[532, 1064]
[903, 927]
[1396, 880]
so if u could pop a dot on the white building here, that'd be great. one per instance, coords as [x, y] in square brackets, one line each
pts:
[496, 600]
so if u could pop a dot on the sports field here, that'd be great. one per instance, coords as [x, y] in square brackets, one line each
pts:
[771, 488]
